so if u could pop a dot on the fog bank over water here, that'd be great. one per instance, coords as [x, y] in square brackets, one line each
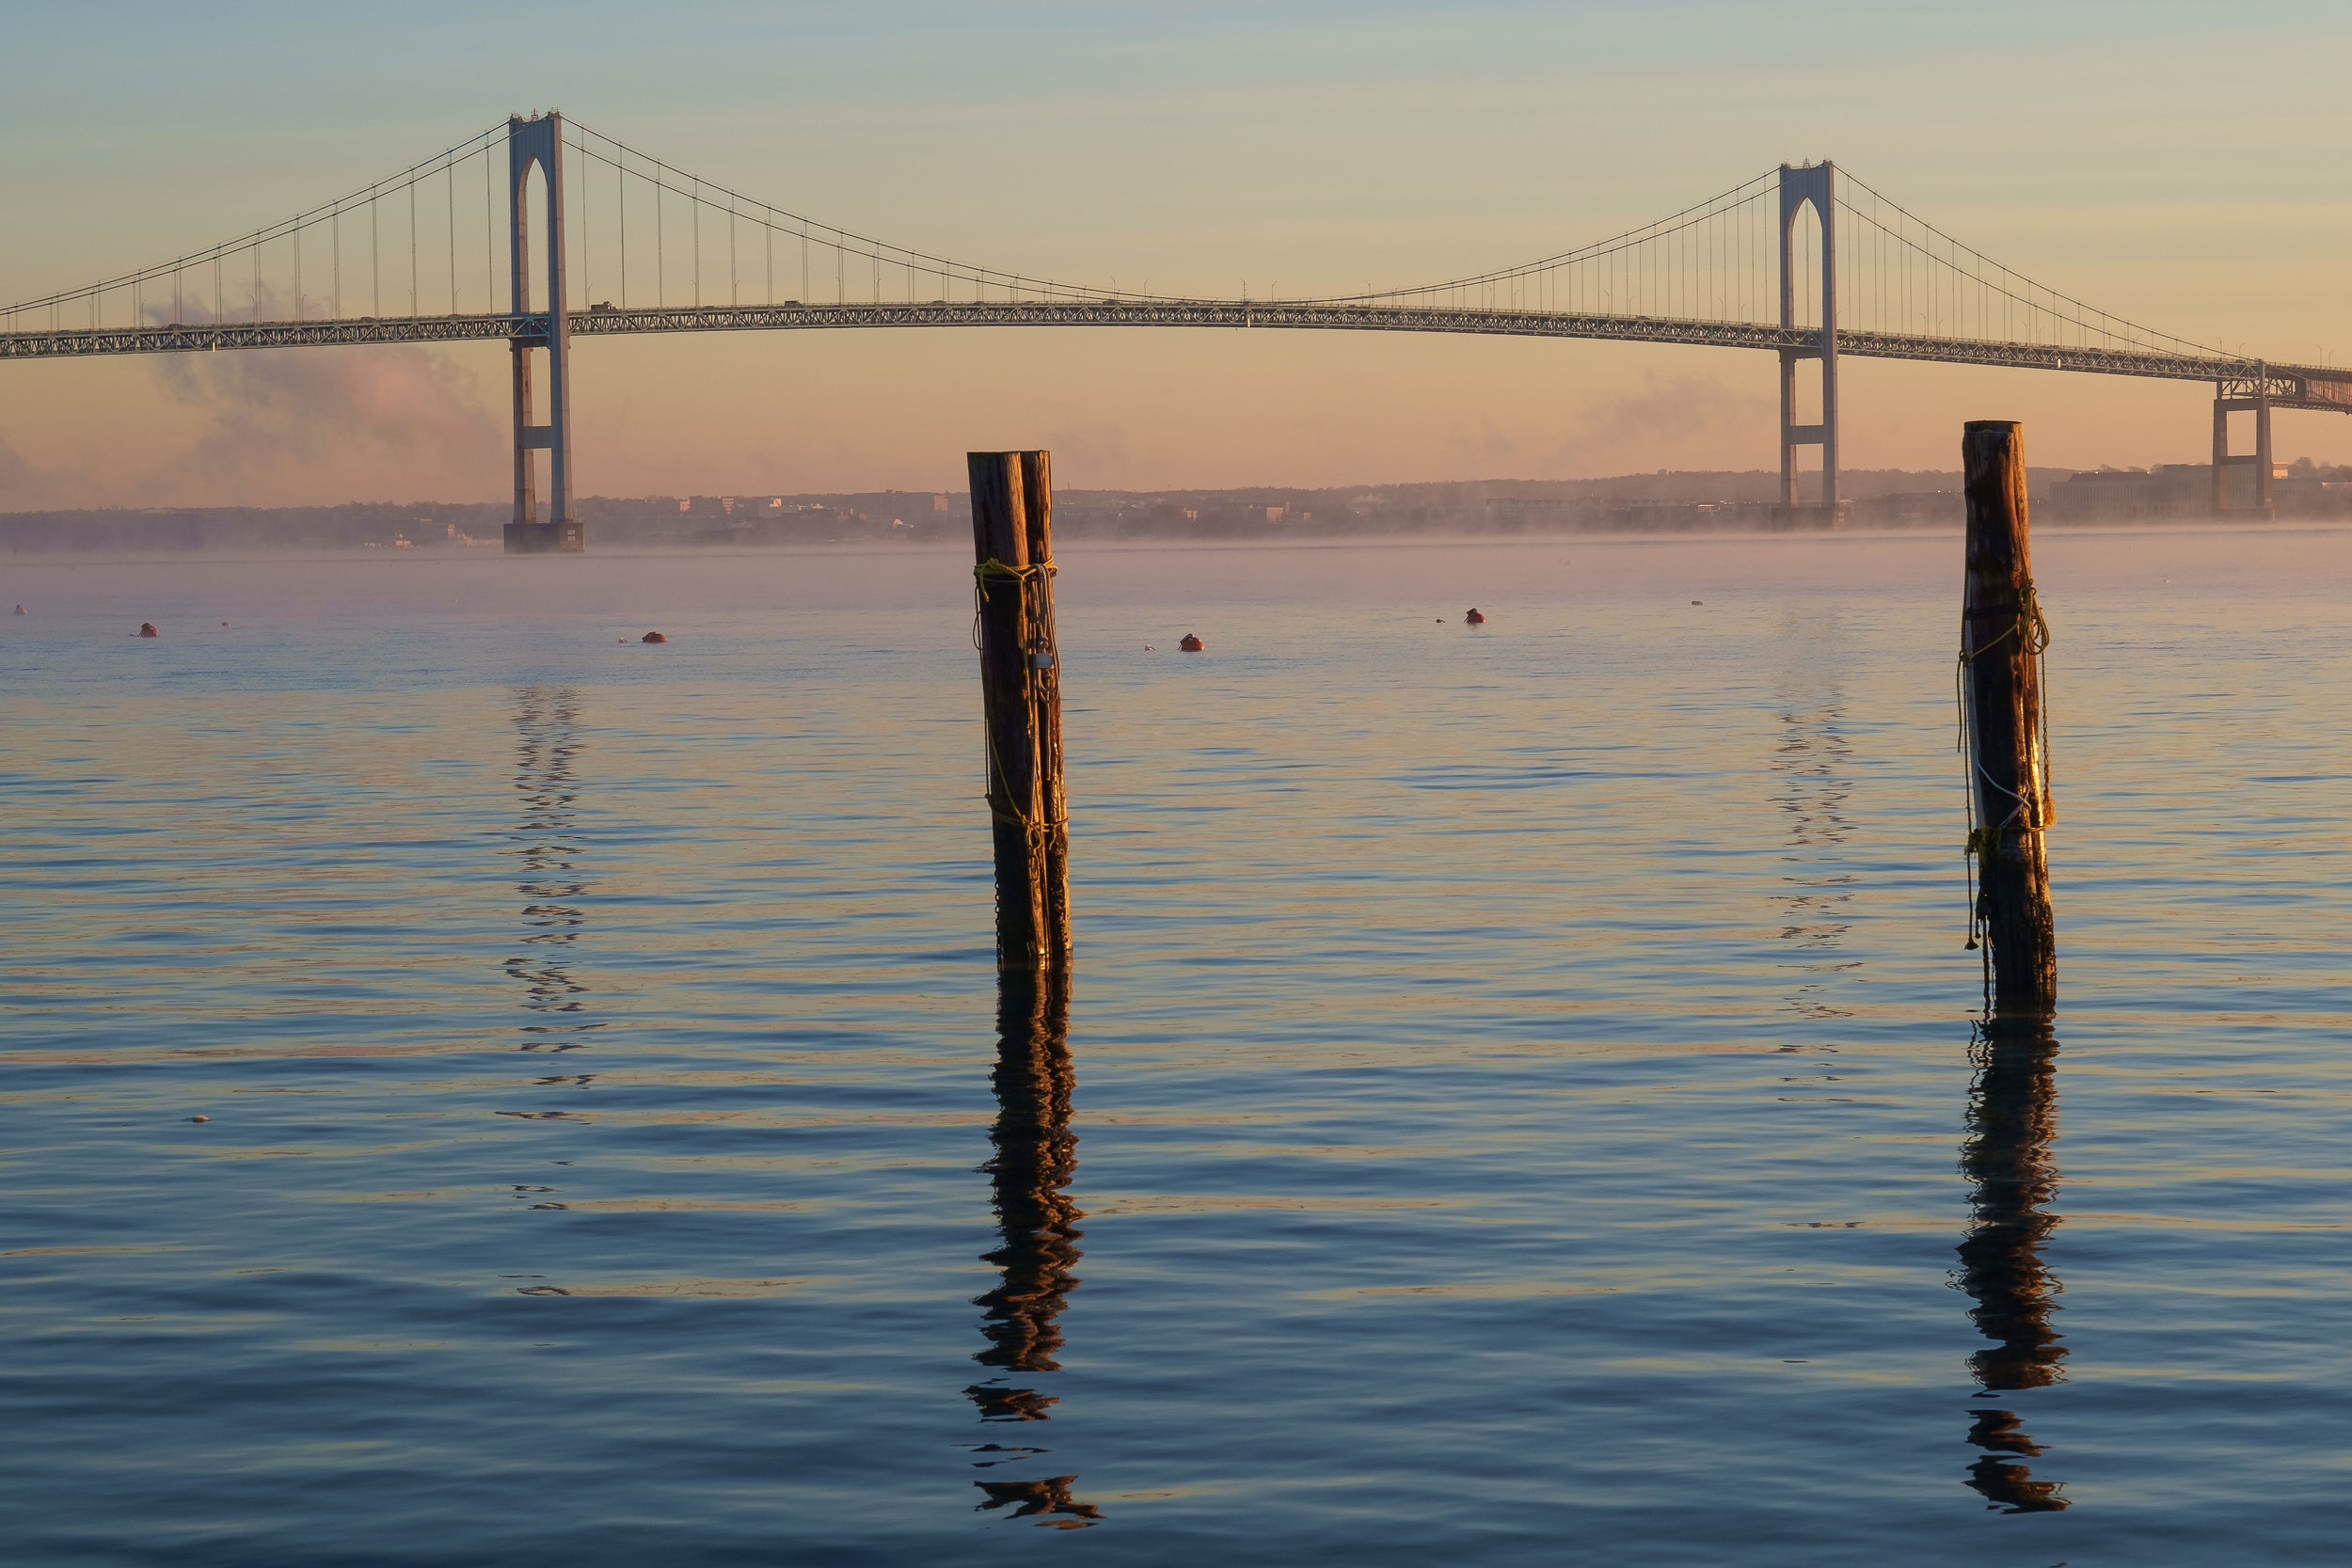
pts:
[1664, 502]
[1394, 580]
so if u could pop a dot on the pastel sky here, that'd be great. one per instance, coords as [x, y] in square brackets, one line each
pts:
[2182, 164]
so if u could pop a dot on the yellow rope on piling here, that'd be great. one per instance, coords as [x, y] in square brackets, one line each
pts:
[2028, 628]
[992, 567]
[2032, 632]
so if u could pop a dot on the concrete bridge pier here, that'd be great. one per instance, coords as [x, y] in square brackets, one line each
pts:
[2249, 395]
[540, 140]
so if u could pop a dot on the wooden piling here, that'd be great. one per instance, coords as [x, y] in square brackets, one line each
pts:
[2006, 736]
[1013, 540]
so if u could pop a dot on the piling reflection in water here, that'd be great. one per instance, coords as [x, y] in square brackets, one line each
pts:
[1036, 1156]
[1814, 762]
[1026, 1497]
[2013, 1123]
[546, 727]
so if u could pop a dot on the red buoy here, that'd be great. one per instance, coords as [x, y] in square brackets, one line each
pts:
[653, 636]
[1473, 618]
[147, 628]
[1192, 644]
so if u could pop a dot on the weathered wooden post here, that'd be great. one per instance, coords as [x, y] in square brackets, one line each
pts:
[1012, 539]
[2005, 732]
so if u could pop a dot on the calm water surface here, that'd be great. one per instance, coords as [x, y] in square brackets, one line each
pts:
[1518, 1102]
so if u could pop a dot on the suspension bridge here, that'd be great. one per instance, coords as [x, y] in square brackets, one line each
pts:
[1804, 261]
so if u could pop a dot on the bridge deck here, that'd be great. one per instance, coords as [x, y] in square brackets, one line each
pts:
[2290, 385]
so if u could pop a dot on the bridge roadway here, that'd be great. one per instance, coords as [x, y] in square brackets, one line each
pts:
[2289, 386]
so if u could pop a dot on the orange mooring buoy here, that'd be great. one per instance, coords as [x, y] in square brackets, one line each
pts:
[1473, 618]
[1192, 644]
[653, 636]
[147, 628]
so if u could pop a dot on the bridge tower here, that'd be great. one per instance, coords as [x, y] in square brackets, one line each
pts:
[540, 140]
[1815, 183]
[2243, 395]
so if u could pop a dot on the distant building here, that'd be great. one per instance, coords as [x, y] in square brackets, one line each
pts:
[2186, 490]
[1515, 513]
[2111, 495]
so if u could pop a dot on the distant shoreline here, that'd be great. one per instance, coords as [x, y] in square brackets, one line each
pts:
[1334, 543]
[1678, 504]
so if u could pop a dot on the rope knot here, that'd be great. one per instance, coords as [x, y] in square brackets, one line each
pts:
[2030, 629]
[1021, 576]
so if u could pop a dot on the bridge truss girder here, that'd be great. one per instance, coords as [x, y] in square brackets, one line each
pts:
[2290, 385]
